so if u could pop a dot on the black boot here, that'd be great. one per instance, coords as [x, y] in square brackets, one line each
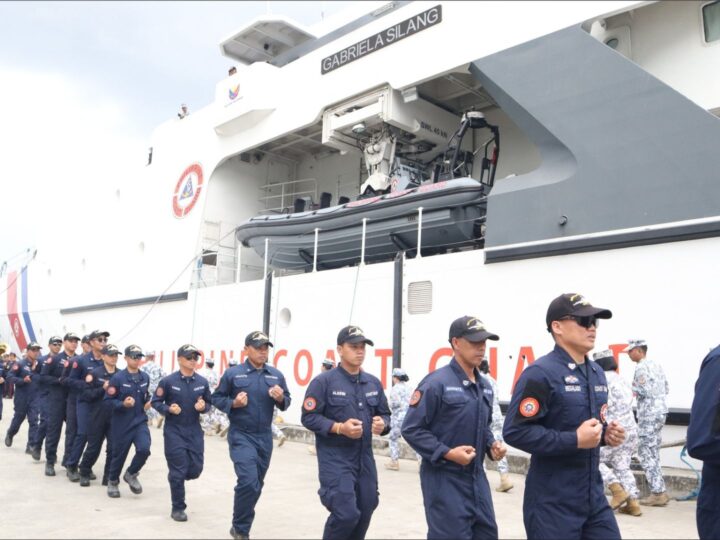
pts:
[8, 440]
[49, 469]
[35, 453]
[112, 489]
[73, 474]
[179, 515]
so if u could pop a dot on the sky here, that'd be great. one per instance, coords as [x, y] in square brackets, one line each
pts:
[83, 85]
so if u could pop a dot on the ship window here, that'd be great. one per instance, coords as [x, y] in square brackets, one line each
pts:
[420, 297]
[711, 21]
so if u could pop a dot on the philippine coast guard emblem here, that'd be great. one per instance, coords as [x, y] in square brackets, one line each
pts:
[187, 190]
[529, 407]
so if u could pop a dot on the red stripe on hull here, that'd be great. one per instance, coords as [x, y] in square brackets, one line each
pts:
[15, 325]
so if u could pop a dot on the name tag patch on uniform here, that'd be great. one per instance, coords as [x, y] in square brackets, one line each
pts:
[198, 388]
[453, 389]
[415, 398]
[369, 394]
[159, 392]
[572, 388]
[175, 388]
[338, 393]
[529, 407]
[241, 376]
[601, 388]
[603, 413]
[309, 404]
[571, 379]
[271, 376]
[130, 385]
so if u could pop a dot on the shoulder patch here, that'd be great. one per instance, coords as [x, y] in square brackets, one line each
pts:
[309, 404]
[529, 407]
[415, 398]
[111, 390]
[603, 413]
[159, 392]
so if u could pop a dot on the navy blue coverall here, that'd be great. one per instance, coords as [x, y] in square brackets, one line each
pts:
[447, 410]
[80, 372]
[70, 408]
[129, 424]
[347, 472]
[703, 442]
[42, 399]
[51, 374]
[564, 493]
[250, 435]
[184, 438]
[26, 400]
[99, 416]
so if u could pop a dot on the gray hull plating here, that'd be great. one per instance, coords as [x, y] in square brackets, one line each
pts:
[620, 149]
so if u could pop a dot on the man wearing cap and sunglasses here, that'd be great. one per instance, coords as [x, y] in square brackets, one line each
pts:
[449, 424]
[248, 394]
[52, 374]
[79, 379]
[25, 378]
[180, 398]
[99, 416]
[650, 387]
[345, 407]
[129, 399]
[558, 414]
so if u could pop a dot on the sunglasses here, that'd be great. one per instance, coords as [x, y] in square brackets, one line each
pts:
[135, 356]
[586, 321]
[193, 358]
[101, 339]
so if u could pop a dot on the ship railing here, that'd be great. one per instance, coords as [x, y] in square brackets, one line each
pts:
[291, 189]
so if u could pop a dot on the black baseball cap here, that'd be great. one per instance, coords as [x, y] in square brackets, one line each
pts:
[188, 351]
[85, 339]
[470, 328]
[33, 345]
[55, 340]
[71, 336]
[573, 304]
[257, 339]
[111, 350]
[328, 363]
[97, 333]
[353, 334]
[133, 351]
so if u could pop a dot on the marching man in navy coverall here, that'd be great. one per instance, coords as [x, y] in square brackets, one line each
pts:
[52, 372]
[129, 399]
[557, 414]
[345, 407]
[180, 398]
[703, 442]
[24, 376]
[78, 381]
[99, 416]
[248, 394]
[448, 423]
